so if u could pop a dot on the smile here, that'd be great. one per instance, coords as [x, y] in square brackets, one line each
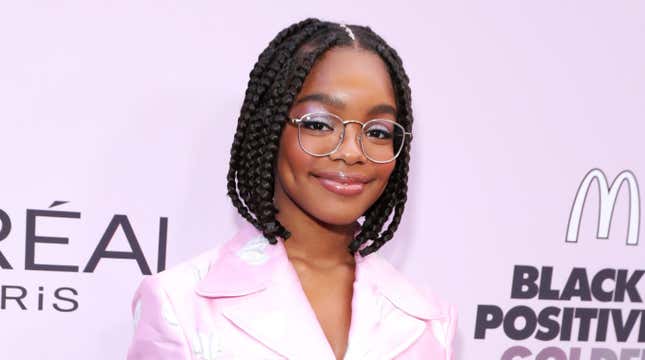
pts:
[341, 183]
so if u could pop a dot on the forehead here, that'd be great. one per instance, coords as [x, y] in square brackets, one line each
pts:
[352, 74]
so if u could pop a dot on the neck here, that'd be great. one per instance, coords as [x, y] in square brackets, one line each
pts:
[311, 240]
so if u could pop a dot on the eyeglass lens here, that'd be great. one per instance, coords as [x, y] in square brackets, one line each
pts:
[381, 140]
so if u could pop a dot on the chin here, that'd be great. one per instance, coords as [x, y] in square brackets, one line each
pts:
[336, 215]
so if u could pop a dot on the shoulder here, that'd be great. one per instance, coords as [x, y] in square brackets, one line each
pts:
[176, 283]
[408, 293]
[190, 271]
[439, 315]
[161, 307]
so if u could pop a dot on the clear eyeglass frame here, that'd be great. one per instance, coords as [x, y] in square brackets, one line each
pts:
[298, 121]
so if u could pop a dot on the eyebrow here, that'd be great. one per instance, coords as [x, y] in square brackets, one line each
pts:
[338, 103]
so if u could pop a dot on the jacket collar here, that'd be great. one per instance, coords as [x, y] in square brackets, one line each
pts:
[251, 277]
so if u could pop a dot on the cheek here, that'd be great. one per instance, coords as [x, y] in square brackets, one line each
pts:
[293, 163]
[383, 172]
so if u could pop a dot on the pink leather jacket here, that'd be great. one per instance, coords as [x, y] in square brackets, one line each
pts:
[243, 300]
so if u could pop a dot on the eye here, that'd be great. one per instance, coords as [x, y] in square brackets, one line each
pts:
[314, 124]
[379, 134]
[379, 130]
[319, 123]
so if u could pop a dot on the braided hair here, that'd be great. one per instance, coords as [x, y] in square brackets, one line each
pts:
[274, 83]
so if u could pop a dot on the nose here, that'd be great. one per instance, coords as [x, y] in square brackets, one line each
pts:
[349, 149]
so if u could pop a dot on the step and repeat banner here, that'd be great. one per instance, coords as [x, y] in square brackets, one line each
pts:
[525, 201]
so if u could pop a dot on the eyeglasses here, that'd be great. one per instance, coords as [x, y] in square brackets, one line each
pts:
[322, 133]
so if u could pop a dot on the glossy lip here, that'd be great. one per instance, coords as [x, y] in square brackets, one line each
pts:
[342, 177]
[342, 183]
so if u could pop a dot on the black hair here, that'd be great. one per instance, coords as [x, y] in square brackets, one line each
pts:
[274, 83]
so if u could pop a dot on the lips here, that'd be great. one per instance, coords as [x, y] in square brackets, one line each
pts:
[342, 183]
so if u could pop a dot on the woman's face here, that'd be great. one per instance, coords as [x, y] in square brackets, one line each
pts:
[353, 84]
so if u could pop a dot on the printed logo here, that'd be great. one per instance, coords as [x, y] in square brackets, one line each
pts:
[24, 296]
[608, 194]
[594, 314]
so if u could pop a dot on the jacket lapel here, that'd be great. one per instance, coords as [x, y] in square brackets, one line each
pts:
[260, 293]
[397, 313]
[258, 290]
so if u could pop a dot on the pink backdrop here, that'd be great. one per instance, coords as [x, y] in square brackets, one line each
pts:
[126, 111]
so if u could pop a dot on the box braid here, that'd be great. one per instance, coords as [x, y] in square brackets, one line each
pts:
[274, 83]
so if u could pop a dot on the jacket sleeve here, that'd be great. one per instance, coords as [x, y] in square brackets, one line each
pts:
[439, 337]
[451, 331]
[157, 332]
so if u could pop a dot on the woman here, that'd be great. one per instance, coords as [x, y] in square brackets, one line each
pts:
[322, 140]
